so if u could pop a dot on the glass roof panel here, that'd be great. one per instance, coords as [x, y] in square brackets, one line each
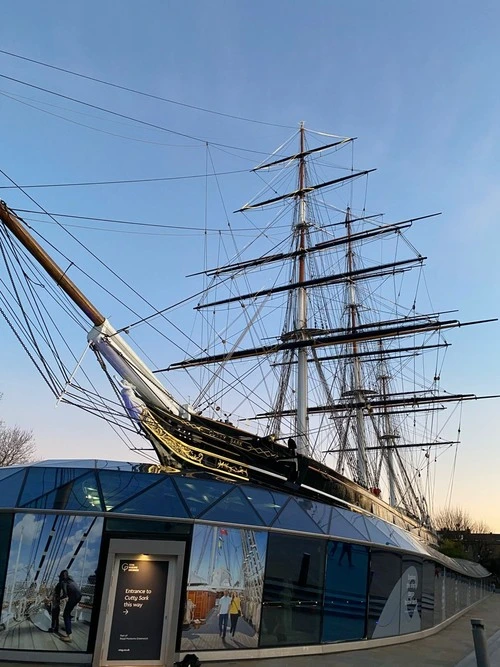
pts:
[348, 524]
[293, 517]
[101, 464]
[10, 470]
[267, 503]
[41, 481]
[198, 494]
[318, 512]
[233, 508]
[79, 494]
[9, 489]
[378, 533]
[119, 486]
[161, 499]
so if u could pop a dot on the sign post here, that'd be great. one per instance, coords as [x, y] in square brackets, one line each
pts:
[138, 611]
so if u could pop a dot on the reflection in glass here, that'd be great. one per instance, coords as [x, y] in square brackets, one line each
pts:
[267, 503]
[293, 590]
[33, 612]
[233, 508]
[346, 582]
[5, 528]
[79, 494]
[385, 594]
[117, 487]
[293, 517]
[41, 481]
[9, 489]
[439, 594]
[161, 499]
[224, 593]
[428, 581]
[411, 595]
[199, 494]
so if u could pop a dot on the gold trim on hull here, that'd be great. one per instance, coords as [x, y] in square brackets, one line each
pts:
[190, 454]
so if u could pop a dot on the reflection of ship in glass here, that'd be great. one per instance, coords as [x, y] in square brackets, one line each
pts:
[225, 559]
[42, 546]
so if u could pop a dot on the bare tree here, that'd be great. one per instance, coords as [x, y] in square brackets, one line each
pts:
[16, 445]
[458, 520]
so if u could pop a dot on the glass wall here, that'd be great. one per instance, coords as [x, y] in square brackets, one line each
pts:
[411, 595]
[43, 610]
[5, 531]
[224, 589]
[385, 594]
[293, 590]
[428, 605]
[346, 580]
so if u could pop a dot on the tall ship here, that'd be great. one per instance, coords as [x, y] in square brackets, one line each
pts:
[319, 372]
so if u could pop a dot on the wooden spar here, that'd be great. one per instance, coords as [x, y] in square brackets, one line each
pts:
[304, 153]
[15, 226]
[338, 339]
[358, 274]
[302, 191]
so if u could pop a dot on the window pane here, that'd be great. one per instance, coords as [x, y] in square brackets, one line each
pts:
[293, 517]
[267, 503]
[226, 573]
[293, 590]
[428, 577]
[41, 481]
[233, 508]
[80, 494]
[5, 530]
[348, 524]
[198, 494]
[117, 487]
[158, 500]
[9, 489]
[42, 546]
[385, 594]
[411, 595]
[346, 582]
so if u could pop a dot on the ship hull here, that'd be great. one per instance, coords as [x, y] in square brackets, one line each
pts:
[202, 446]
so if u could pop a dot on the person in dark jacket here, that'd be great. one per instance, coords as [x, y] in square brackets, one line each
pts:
[55, 606]
[73, 596]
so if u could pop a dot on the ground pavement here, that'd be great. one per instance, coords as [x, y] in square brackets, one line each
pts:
[452, 647]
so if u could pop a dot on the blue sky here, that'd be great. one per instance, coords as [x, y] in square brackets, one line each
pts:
[415, 81]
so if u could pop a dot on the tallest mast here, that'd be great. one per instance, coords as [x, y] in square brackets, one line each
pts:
[301, 312]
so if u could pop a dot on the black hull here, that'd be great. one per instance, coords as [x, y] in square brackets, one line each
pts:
[204, 447]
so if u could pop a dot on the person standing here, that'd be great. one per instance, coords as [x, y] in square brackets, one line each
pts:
[73, 596]
[234, 611]
[224, 604]
[55, 606]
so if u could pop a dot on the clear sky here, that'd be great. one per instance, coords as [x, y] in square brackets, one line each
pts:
[416, 82]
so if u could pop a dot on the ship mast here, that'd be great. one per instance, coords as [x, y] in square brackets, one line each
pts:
[301, 312]
[357, 391]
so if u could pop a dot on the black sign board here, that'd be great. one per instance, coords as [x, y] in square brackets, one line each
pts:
[138, 612]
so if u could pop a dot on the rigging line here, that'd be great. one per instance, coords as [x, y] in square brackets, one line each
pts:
[90, 127]
[126, 117]
[215, 230]
[118, 222]
[159, 179]
[37, 306]
[25, 348]
[452, 477]
[108, 230]
[25, 318]
[102, 263]
[142, 92]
